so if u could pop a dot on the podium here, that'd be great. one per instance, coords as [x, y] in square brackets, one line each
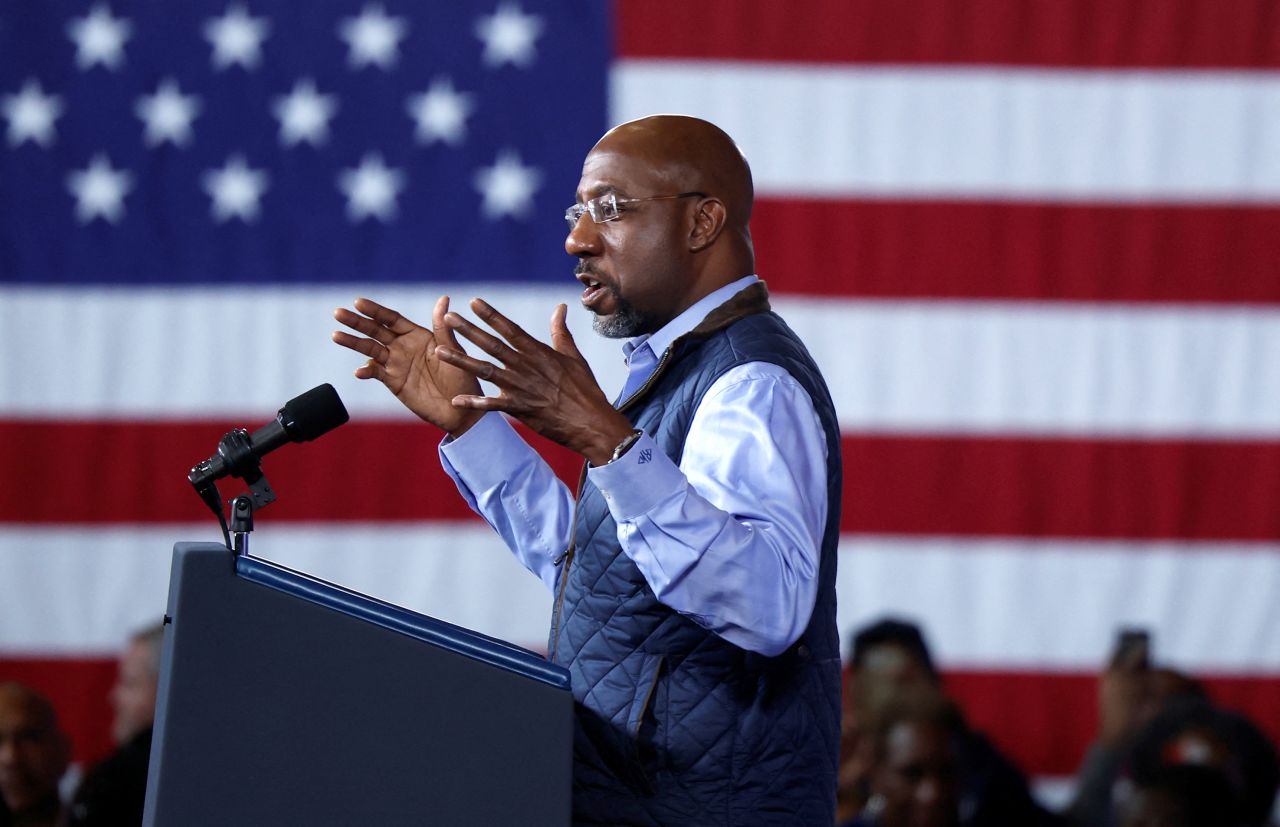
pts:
[287, 700]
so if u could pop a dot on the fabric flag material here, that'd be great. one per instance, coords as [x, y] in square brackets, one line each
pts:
[1034, 247]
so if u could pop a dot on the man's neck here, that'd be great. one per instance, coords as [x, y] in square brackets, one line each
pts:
[661, 339]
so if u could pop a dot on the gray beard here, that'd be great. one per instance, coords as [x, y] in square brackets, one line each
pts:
[623, 323]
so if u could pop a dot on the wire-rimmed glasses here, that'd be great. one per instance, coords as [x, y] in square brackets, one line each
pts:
[609, 207]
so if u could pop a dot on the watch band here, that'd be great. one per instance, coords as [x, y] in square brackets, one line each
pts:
[625, 444]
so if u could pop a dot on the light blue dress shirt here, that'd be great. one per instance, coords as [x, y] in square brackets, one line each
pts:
[729, 538]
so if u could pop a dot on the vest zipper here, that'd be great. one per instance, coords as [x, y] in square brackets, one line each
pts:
[566, 556]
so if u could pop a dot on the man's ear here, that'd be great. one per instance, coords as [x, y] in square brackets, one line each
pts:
[708, 222]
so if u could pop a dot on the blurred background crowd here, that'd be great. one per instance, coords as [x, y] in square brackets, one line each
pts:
[1164, 755]
[38, 784]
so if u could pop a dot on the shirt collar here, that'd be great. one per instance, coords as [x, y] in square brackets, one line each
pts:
[659, 342]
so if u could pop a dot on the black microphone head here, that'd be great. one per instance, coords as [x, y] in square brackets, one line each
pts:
[312, 414]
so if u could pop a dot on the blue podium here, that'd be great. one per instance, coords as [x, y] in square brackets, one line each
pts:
[287, 700]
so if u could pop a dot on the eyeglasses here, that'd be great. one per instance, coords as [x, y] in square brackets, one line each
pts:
[609, 207]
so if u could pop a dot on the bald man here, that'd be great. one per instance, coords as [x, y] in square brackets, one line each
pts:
[693, 573]
[34, 754]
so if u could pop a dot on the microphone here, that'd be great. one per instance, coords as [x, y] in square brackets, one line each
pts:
[302, 419]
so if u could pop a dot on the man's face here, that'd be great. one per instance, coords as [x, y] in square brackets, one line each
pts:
[33, 752]
[918, 777]
[134, 695]
[635, 268]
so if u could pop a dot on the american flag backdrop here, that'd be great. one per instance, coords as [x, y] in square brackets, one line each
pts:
[1034, 246]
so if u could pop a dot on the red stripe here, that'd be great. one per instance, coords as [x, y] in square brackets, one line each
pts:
[1062, 487]
[135, 472]
[1066, 33]
[79, 689]
[1044, 722]
[387, 471]
[968, 250]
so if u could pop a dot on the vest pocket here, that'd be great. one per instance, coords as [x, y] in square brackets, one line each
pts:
[642, 723]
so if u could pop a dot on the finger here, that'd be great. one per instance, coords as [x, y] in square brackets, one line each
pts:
[385, 316]
[371, 370]
[509, 330]
[487, 342]
[366, 347]
[444, 334]
[561, 338]
[364, 325]
[479, 403]
[476, 367]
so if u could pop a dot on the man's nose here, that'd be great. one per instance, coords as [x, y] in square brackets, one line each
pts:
[583, 238]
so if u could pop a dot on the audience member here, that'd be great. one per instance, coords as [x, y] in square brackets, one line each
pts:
[1131, 691]
[1151, 718]
[1192, 731]
[885, 659]
[888, 659]
[113, 792]
[34, 754]
[914, 745]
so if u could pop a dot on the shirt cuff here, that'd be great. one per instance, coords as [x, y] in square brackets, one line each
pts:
[483, 456]
[638, 481]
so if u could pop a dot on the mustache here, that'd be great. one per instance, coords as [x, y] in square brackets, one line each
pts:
[584, 268]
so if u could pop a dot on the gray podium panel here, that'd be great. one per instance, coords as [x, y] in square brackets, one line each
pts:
[287, 700]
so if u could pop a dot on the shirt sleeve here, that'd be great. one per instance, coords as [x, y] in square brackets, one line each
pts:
[731, 537]
[505, 481]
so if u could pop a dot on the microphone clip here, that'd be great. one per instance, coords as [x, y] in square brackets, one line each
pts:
[235, 450]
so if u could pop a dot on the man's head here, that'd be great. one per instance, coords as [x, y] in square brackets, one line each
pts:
[684, 195]
[915, 779]
[34, 752]
[887, 657]
[134, 695]
[892, 641]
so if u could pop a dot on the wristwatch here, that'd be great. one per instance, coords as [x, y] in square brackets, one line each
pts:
[625, 444]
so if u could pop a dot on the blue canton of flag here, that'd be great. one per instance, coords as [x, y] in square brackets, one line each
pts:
[252, 141]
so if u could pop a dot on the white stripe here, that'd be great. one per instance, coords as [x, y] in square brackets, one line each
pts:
[1028, 368]
[84, 589]
[184, 352]
[978, 132]
[991, 604]
[1057, 604]
[893, 366]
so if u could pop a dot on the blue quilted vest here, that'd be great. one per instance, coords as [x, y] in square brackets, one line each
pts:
[674, 724]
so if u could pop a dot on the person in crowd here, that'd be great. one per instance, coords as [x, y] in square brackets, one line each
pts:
[1192, 731]
[914, 744]
[113, 792]
[693, 572]
[1151, 717]
[887, 659]
[1131, 691]
[34, 755]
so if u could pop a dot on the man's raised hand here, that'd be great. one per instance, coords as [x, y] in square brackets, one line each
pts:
[405, 357]
[550, 389]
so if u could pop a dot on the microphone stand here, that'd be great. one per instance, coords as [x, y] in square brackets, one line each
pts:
[241, 524]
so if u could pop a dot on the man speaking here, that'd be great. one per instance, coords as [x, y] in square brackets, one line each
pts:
[693, 574]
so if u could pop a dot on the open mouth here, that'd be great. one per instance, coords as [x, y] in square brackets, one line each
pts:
[593, 290]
